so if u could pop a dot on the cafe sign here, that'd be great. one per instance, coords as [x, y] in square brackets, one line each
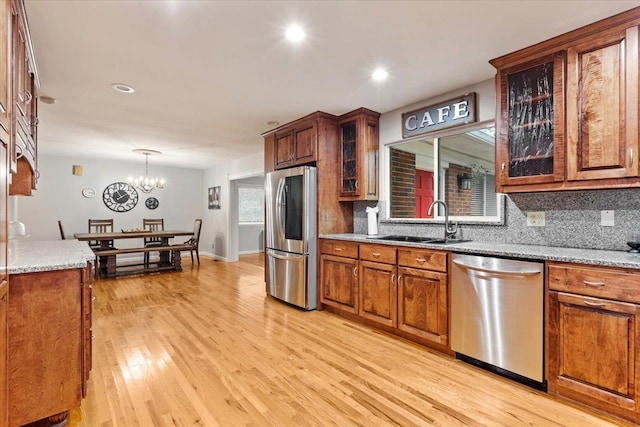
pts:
[454, 112]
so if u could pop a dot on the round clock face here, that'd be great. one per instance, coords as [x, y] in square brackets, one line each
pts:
[120, 197]
[151, 203]
[88, 192]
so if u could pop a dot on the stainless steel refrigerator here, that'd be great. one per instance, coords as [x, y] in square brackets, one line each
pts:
[291, 235]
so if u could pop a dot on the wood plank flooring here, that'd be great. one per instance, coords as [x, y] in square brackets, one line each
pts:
[206, 347]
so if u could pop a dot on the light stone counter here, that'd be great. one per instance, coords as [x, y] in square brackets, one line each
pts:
[550, 253]
[27, 256]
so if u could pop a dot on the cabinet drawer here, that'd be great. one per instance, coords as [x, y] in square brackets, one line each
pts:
[378, 253]
[423, 258]
[609, 283]
[340, 248]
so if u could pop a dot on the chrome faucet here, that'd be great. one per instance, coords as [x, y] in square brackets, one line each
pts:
[448, 233]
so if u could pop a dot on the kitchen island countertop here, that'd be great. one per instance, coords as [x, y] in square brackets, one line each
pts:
[27, 256]
[549, 253]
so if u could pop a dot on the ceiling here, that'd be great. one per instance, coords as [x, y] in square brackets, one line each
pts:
[209, 75]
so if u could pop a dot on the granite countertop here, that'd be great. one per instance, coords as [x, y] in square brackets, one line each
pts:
[26, 256]
[551, 253]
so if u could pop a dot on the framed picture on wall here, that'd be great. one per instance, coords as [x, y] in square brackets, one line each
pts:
[214, 197]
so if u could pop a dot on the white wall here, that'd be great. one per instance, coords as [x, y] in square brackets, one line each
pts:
[250, 238]
[59, 197]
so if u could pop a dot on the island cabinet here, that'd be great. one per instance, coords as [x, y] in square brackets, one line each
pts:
[594, 337]
[339, 275]
[378, 284]
[567, 110]
[49, 318]
[423, 302]
[359, 155]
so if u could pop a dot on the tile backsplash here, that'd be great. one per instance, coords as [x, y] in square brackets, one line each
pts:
[572, 219]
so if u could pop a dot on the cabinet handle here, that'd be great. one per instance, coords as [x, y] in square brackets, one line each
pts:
[589, 283]
[337, 249]
[399, 278]
[356, 184]
[393, 277]
[420, 259]
[376, 254]
[594, 304]
[29, 97]
[630, 157]
[355, 271]
[503, 167]
[93, 298]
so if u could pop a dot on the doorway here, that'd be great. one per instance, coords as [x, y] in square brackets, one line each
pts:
[424, 193]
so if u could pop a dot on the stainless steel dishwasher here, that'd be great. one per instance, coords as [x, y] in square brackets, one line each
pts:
[497, 308]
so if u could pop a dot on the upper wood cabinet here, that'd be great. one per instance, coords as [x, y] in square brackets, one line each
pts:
[296, 144]
[567, 110]
[24, 109]
[359, 155]
[602, 106]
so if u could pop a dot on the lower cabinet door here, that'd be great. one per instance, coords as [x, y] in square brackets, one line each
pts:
[593, 345]
[423, 304]
[339, 277]
[378, 293]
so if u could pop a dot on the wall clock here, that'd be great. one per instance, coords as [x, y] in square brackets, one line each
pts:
[88, 192]
[120, 197]
[151, 203]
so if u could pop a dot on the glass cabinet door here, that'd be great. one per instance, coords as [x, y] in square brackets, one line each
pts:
[532, 109]
[348, 136]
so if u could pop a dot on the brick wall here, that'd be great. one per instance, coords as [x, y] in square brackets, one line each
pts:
[403, 184]
[459, 201]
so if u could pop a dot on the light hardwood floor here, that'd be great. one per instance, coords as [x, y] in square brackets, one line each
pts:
[206, 347]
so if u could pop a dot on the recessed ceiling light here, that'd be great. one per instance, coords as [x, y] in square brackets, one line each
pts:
[379, 74]
[294, 33]
[122, 88]
[273, 123]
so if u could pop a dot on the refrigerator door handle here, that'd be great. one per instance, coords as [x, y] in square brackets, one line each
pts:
[281, 205]
[288, 257]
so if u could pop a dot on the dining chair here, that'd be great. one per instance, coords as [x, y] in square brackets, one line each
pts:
[100, 226]
[194, 241]
[152, 224]
[61, 230]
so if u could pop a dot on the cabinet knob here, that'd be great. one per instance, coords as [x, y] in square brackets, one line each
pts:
[502, 167]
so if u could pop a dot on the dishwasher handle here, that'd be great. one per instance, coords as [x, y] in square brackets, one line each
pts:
[520, 272]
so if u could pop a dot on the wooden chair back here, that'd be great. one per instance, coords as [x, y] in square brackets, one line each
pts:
[62, 236]
[152, 224]
[100, 226]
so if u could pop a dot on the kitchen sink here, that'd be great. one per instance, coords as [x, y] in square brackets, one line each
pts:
[417, 239]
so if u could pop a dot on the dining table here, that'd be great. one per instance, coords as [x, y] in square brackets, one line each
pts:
[105, 246]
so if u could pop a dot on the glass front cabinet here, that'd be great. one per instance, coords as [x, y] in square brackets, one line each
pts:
[359, 155]
[529, 134]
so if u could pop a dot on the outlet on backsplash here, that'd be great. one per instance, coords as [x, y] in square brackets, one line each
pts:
[607, 219]
[535, 219]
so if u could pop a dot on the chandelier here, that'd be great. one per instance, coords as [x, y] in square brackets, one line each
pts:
[145, 183]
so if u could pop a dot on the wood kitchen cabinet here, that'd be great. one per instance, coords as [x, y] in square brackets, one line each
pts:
[49, 318]
[296, 144]
[594, 337]
[423, 303]
[377, 284]
[570, 104]
[24, 109]
[339, 275]
[359, 155]
[4, 287]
